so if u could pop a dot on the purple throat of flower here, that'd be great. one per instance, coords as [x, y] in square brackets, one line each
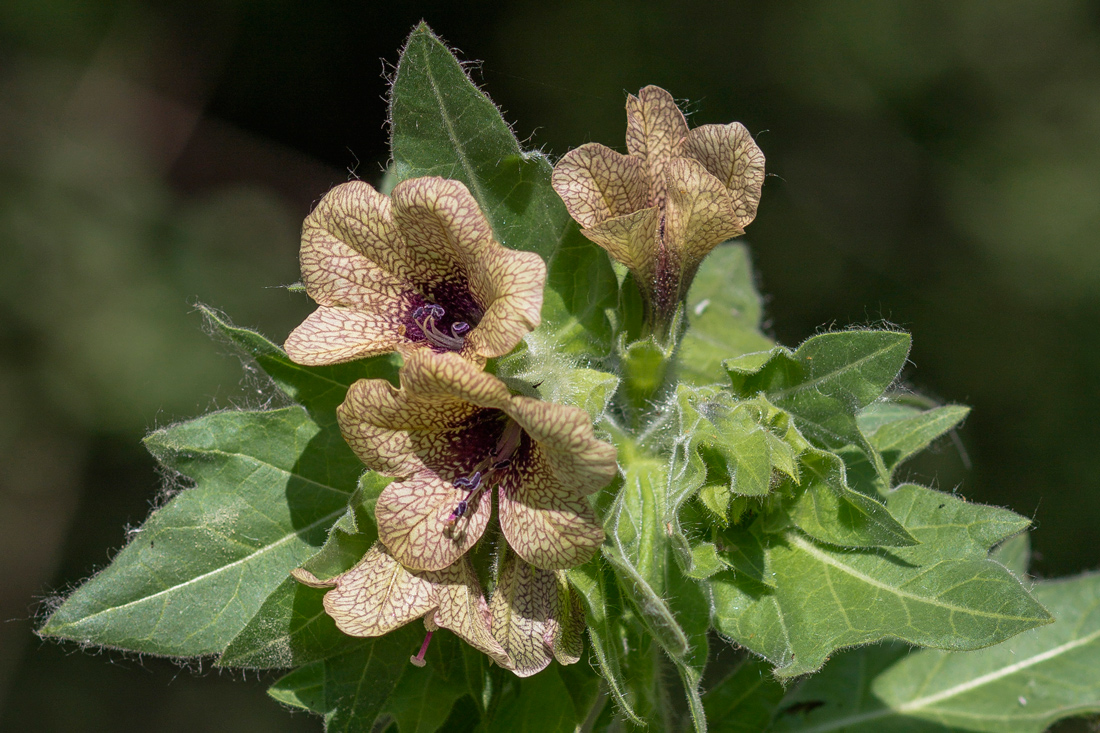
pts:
[428, 318]
[485, 473]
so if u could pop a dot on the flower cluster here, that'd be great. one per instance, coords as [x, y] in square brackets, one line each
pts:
[662, 207]
[420, 273]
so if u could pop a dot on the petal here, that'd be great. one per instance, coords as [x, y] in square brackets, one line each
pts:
[567, 639]
[578, 461]
[596, 183]
[443, 228]
[698, 216]
[729, 153]
[392, 429]
[351, 249]
[427, 373]
[463, 609]
[378, 595]
[630, 239]
[547, 523]
[521, 606]
[331, 335]
[511, 283]
[655, 131]
[412, 522]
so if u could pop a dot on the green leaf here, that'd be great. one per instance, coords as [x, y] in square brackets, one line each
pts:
[425, 695]
[902, 439]
[443, 125]
[744, 550]
[645, 366]
[542, 705]
[825, 382]
[827, 510]
[267, 487]
[1021, 686]
[744, 700]
[289, 630]
[724, 312]
[601, 601]
[303, 688]
[1015, 554]
[359, 684]
[944, 592]
[319, 389]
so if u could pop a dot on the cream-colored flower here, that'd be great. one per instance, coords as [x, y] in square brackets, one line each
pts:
[379, 595]
[450, 435]
[662, 207]
[417, 270]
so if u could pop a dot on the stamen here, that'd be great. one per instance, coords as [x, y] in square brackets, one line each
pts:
[426, 316]
[508, 442]
[418, 660]
[468, 483]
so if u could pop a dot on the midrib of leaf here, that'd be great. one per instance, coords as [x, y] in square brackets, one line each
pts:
[460, 148]
[922, 702]
[808, 548]
[790, 391]
[258, 462]
[211, 573]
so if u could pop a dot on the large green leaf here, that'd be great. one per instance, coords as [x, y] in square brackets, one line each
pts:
[267, 487]
[443, 125]
[723, 313]
[943, 593]
[1021, 686]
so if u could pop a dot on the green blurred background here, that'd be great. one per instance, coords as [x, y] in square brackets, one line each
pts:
[934, 164]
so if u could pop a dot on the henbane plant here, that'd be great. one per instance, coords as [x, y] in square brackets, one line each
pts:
[536, 467]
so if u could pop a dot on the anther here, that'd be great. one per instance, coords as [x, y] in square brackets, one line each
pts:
[459, 327]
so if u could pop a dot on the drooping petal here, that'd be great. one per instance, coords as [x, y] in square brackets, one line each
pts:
[567, 628]
[729, 153]
[549, 524]
[352, 267]
[698, 215]
[655, 131]
[412, 521]
[630, 239]
[331, 335]
[596, 183]
[464, 610]
[579, 462]
[521, 606]
[376, 596]
[462, 267]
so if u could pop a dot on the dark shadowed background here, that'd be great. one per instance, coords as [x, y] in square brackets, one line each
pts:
[935, 165]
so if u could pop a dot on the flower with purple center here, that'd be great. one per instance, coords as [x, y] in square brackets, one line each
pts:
[450, 435]
[417, 270]
[662, 207]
